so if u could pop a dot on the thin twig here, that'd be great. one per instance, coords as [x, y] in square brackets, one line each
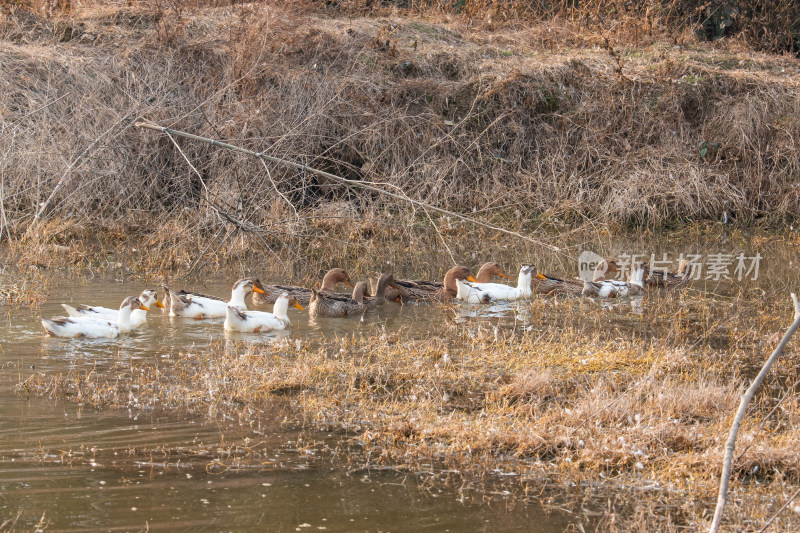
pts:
[352, 183]
[207, 246]
[63, 180]
[789, 392]
[275, 186]
[730, 445]
[779, 511]
[3, 220]
[40, 108]
[220, 245]
[244, 226]
[444, 241]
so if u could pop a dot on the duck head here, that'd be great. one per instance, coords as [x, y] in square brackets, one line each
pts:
[604, 269]
[131, 303]
[359, 291]
[386, 280]
[488, 270]
[333, 277]
[282, 304]
[637, 276]
[243, 287]
[149, 298]
[458, 272]
[524, 279]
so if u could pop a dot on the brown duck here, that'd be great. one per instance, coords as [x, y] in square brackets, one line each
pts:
[334, 305]
[332, 278]
[670, 280]
[411, 290]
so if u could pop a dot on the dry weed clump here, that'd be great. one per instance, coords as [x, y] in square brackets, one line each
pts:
[506, 128]
[765, 25]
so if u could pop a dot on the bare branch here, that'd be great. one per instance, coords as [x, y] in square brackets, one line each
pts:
[730, 446]
[63, 180]
[352, 183]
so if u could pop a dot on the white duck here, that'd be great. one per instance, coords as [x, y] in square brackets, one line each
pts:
[196, 305]
[259, 321]
[490, 292]
[148, 298]
[617, 289]
[92, 328]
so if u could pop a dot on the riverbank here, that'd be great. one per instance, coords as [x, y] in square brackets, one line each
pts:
[551, 122]
[663, 146]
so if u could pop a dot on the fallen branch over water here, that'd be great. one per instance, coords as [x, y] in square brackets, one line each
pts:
[351, 183]
[730, 446]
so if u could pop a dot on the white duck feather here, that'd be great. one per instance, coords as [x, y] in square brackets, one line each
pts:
[93, 328]
[616, 289]
[194, 305]
[490, 292]
[259, 321]
[148, 298]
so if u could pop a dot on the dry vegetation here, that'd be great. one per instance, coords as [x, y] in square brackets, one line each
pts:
[643, 408]
[528, 125]
[537, 126]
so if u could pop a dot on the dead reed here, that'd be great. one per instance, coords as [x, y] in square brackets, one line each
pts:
[496, 123]
[765, 25]
[540, 129]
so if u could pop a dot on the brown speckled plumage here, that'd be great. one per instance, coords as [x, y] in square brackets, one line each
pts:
[302, 294]
[412, 290]
[339, 305]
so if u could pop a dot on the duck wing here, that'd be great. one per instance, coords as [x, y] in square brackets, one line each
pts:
[416, 289]
[473, 292]
[82, 310]
[336, 297]
[272, 292]
[80, 327]
[544, 284]
[606, 289]
[179, 301]
[591, 288]
[191, 295]
[419, 284]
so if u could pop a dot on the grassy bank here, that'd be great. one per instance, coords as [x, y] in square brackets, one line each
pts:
[578, 400]
[537, 125]
[546, 128]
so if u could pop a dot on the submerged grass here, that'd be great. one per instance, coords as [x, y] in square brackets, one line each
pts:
[585, 403]
[547, 131]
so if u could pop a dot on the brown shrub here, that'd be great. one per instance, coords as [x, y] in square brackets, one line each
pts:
[472, 126]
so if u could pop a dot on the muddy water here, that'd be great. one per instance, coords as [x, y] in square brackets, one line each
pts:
[118, 470]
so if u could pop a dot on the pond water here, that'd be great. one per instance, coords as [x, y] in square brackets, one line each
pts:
[76, 468]
[85, 469]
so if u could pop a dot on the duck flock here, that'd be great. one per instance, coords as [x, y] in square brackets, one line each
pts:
[94, 321]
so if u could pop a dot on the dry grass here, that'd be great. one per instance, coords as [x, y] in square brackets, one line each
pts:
[764, 25]
[525, 127]
[580, 404]
[537, 129]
